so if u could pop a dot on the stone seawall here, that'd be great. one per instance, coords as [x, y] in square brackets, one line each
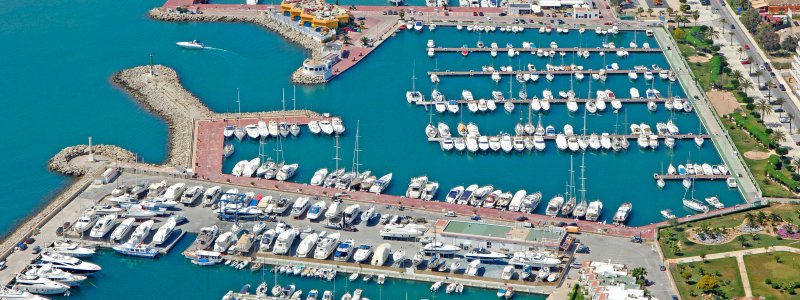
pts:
[61, 161]
[258, 18]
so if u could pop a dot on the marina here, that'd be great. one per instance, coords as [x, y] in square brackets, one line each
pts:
[219, 212]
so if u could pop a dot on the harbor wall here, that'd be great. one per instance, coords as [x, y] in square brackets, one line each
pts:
[61, 161]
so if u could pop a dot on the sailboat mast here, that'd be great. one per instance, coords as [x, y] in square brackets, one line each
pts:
[414, 77]
[583, 177]
[239, 108]
[356, 150]
[336, 151]
[294, 97]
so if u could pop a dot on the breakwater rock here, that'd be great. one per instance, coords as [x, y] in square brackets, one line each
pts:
[62, 161]
[300, 78]
[256, 17]
[162, 94]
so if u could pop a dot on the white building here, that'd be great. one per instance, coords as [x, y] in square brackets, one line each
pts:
[331, 54]
[520, 7]
[796, 70]
[585, 12]
[560, 3]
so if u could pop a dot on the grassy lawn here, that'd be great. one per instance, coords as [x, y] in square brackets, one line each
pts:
[779, 269]
[724, 270]
[676, 235]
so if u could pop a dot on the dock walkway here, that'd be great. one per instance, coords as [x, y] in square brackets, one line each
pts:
[552, 101]
[547, 49]
[685, 136]
[540, 72]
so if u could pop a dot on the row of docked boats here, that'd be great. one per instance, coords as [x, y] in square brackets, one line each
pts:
[262, 129]
[266, 169]
[56, 270]
[352, 180]
[478, 27]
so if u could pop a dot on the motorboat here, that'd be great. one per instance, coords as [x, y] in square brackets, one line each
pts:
[319, 177]
[485, 255]
[363, 253]
[414, 190]
[554, 205]
[163, 233]
[454, 194]
[344, 251]
[714, 201]
[623, 212]
[86, 221]
[429, 191]
[285, 241]
[316, 211]
[473, 268]
[137, 250]
[440, 248]
[68, 263]
[49, 272]
[38, 285]
[408, 231]
[286, 172]
[380, 185]
[72, 249]
[326, 246]
[194, 44]
[103, 226]
[299, 207]
[122, 229]
[306, 245]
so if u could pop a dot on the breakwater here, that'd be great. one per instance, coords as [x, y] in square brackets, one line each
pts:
[62, 161]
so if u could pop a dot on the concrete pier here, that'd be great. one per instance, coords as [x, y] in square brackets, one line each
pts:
[540, 72]
[554, 101]
[610, 51]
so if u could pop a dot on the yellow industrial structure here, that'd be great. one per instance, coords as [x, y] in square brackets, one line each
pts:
[315, 13]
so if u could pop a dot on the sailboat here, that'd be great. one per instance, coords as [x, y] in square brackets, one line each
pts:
[239, 131]
[508, 105]
[693, 203]
[413, 95]
[569, 206]
[580, 209]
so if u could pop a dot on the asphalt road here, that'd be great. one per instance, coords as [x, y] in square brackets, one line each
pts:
[758, 60]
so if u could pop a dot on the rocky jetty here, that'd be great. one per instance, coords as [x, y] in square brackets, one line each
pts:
[256, 17]
[162, 94]
[300, 78]
[62, 161]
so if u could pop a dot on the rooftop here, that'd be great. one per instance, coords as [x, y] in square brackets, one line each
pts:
[549, 234]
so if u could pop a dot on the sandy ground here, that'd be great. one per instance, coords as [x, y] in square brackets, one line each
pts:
[724, 102]
[757, 155]
[700, 59]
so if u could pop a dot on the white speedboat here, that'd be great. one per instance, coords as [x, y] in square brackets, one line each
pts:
[194, 44]
[485, 255]
[440, 248]
[122, 229]
[363, 253]
[49, 272]
[306, 246]
[86, 221]
[163, 233]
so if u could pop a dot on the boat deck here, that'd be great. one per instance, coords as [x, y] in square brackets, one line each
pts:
[105, 243]
[693, 177]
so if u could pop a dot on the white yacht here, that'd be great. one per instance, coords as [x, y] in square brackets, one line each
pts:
[69, 263]
[39, 285]
[440, 248]
[299, 207]
[317, 210]
[73, 249]
[103, 226]
[267, 238]
[224, 241]
[594, 210]
[86, 221]
[122, 229]
[194, 44]
[165, 231]
[554, 205]
[344, 251]
[485, 255]
[285, 241]
[306, 246]
[363, 253]
[326, 246]
[55, 274]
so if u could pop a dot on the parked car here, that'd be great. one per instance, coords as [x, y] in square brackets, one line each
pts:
[582, 249]
[662, 268]
[474, 13]
[782, 87]
[746, 47]
[745, 62]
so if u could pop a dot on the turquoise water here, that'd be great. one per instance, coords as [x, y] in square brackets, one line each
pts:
[123, 278]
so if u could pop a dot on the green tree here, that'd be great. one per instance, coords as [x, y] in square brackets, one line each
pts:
[762, 106]
[789, 43]
[365, 41]
[750, 19]
[650, 11]
[346, 39]
[679, 34]
[695, 15]
[790, 116]
[765, 34]
[707, 283]
[402, 14]
[670, 11]
[711, 34]
[724, 22]
[741, 239]
[758, 74]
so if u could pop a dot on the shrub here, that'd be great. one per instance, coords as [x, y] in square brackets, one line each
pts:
[768, 130]
[780, 150]
[768, 281]
[750, 106]
[795, 177]
[756, 114]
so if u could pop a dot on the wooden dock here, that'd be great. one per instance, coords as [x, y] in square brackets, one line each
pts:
[657, 176]
[685, 136]
[533, 50]
[554, 101]
[540, 72]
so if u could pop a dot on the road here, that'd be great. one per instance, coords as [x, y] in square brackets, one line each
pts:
[758, 57]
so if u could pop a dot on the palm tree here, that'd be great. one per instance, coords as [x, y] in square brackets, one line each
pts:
[724, 22]
[790, 117]
[736, 75]
[763, 106]
[779, 101]
[740, 50]
[711, 34]
[745, 84]
[346, 39]
[768, 83]
[750, 59]
[778, 137]
[758, 74]
[695, 15]
[731, 34]
[365, 41]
